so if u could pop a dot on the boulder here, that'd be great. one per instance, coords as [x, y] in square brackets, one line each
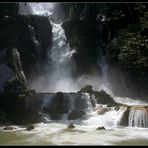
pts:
[101, 111]
[104, 98]
[100, 128]
[29, 128]
[71, 126]
[9, 128]
[87, 88]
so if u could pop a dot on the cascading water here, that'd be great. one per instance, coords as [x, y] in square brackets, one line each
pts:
[103, 54]
[138, 118]
[61, 75]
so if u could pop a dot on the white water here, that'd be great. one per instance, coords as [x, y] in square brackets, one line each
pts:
[61, 75]
[130, 101]
[36, 8]
[138, 118]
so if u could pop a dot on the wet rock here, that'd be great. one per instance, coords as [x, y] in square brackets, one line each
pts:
[135, 116]
[75, 114]
[34, 34]
[102, 111]
[125, 118]
[87, 88]
[100, 128]
[2, 117]
[80, 39]
[9, 128]
[104, 98]
[70, 126]
[30, 127]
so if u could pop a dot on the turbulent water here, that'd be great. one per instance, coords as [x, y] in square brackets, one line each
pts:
[55, 132]
[61, 74]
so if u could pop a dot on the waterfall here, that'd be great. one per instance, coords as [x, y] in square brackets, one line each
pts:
[104, 68]
[36, 8]
[102, 54]
[61, 62]
[138, 118]
[134, 116]
[60, 78]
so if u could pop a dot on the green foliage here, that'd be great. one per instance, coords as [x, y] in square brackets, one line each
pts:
[144, 21]
[130, 47]
[133, 51]
[139, 8]
[15, 86]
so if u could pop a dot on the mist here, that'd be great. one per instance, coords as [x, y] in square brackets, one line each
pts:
[36, 8]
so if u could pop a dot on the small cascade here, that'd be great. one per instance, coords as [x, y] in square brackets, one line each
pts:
[83, 102]
[134, 116]
[138, 118]
[108, 119]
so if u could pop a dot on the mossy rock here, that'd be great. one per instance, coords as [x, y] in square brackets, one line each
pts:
[104, 98]
[87, 88]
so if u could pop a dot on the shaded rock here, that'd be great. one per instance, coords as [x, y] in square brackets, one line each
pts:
[84, 42]
[100, 128]
[56, 116]
[125, 118]
[87, 88]
[102, 111]
[2, 117]
[30, 127]
[56, 107]
[75, 114]
[70, 126]
[9, 128]
[5, 74]
[104, 98]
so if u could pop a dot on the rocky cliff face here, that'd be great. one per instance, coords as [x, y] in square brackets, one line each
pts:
[23, 51]
[32, 37]
[81, 36]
